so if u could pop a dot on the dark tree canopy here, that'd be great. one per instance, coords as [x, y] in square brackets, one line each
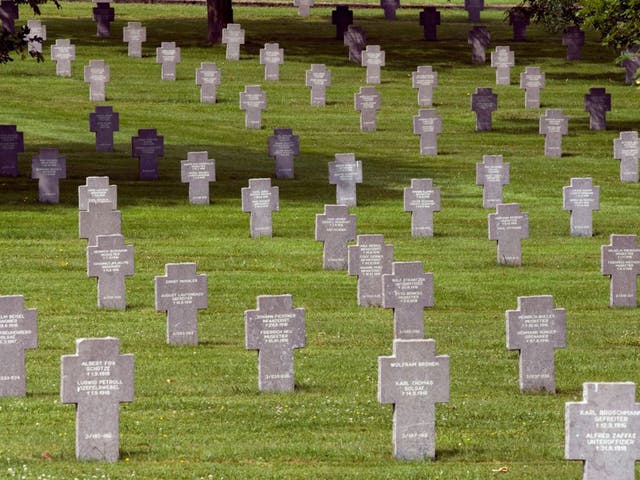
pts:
[553, 14]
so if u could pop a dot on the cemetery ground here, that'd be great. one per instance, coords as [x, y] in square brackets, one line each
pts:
[197, 411]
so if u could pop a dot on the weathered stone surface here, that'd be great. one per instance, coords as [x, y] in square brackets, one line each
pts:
[335, 228]
[369, 259]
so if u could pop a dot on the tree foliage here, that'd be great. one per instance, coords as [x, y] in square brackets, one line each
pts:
[617, 21]
[553, 14]
[12, 43]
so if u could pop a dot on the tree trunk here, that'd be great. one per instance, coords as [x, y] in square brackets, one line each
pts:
[219, 14]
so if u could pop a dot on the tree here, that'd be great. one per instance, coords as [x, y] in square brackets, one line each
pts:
[617, 21]
[17, 42]
[553, 14]
[219, 14]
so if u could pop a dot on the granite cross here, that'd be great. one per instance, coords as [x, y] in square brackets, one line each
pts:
[345, 172]
[425, 80]
[626, 148]
[37, 35]
[484, 102]
[492, 174]
[198, 171]
[134, 35]
[369, 259]
[283, 145]
[430, 19]
[531, 81]
[96, 74]
[304, 7]
[148, 146]
[104, 121]
[553, 125]
[479, 38]
[597, 102]
[63, 53]
[428, 125]
[48, 167]
[355, 39]
[233, 37]
[509, 226]
[581, 198]
[341, 17]
[519, 19]
[168, 55]
[421, 199]
[103, 15]
[271, 56]
[573, 39]
[473, 8]
[318, 78]
[11, 143]
[110, 260]
[99, 219]
[18, 332]
[502, 58]
[335, 228]
[373, 58]
[367, 101]
[208, 78]
[253, 100]
[97, 190]
[260, 199]
[621, 260]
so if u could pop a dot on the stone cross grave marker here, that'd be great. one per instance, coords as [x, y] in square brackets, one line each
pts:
[110, 260]
[103, 15]
[519, 21]
[63, 53]
[597, 102]
[631, 63]
[428, 125]
[430, 19]
[425, 80]
[509, 226]
[345, 172]
[208, 78]
[99, 219]
[603, 430]
[367, 101]
[148, 146]
[531, 81]
[260, 199]
[408, 290]
[134, 35]
[48, 167]
[389, 7]
[484, 102]
[275, 329]
[553, 125]
[97, 378]
[356, 40]
[479, 38]
[304, 7]
[621, 260]
[502, 58]
[573, 39]
[181, 293]
[492, 174]
[422, 199]
[414, 379]
[19, 331]
[233, 37]
[9, 13]
[253, 100]
[335, 228]
[626, 148]
[373, 58]
[198, 171]
[581, 198]
[318, 78]
[11, 143]
[369, 259]
[104, 121]
[97, 190]
[536, 329]
[168, 55]
[341, 17]
[473, 8]
[283, 145]
[37, 35]
[96, 74]
[271, 56]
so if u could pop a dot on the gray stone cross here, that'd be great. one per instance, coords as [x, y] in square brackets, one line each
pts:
[198, 171]
[553, 125]
[509, 226]
[473, 8]
[271, 56]
[492, 174]
[341, 17]
[168, 55]
[479, 38]
[373, 58]
[11, 143]
[573, 39]
[536, 329]
[99, 219]
[603, 430]
[260, 199]
[48, 167]
[621, 260]
[425, 80]
[96, 74]
[531, 81]
[390, 7]
[97, 190]
[519, 19]
[283, 145]
[408, 290]
[304, 7]
[148, 146]
[318, 78]
[597, 102]
[18, 332]
[110, 260]
[581, 198]
[356, 40]
[502, 58]
[103, 15]
[335, 228]
[37, 35]
[97, 378]
[484, 102]
[134, 35]
[208, 77]
[367, 101]
[181, 293]
[253, 100]
[626, 148]
[414, 379]
[275, 329]
[104, 121]
[345, 172]
[233, 37]
[428, 125]
[421, 199]
[369, 259]
[429, 20]
[63, 53]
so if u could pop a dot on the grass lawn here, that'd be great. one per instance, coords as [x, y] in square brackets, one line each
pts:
[197, 413]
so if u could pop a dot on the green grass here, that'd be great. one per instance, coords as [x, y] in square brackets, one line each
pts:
[198, 413]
